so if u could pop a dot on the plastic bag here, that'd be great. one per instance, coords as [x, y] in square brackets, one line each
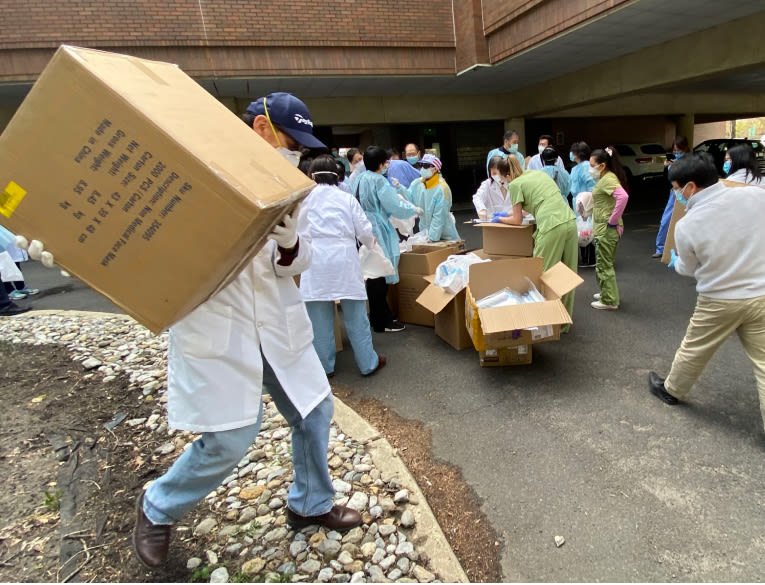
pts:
[584, 204]
[507, 297]
[8, 269]
[584, 227]
[404, 226]
[374, 263]
[452, 273]
[417, 239]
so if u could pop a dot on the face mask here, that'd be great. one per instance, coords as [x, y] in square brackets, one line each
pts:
[497, 179]
[426, 173]
[412, 160]
[679, 155]
[541, 148]
[594, 172]
[293, 156]
[571, 156]
[726, 167]
[513, 148]
[385, 171]
[679, 195]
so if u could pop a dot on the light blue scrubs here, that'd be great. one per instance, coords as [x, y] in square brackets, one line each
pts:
[561, 178]
[436, 219]
[501, 152]
[380, 201]
[581, 181]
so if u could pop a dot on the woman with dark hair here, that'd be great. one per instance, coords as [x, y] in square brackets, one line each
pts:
[335, 220]
[680, 148]
[741, 166]
[492, 195]
[582, 182]
[609, 198]
[381, 201]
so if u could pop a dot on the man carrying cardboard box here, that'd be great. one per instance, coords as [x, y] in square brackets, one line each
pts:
[253, 334]
[719, 242]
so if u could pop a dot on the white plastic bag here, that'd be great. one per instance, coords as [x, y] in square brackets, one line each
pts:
[8, 269]
[374, 263]
[584, 227]
[452, 273]
[404, 226]
[419, 238]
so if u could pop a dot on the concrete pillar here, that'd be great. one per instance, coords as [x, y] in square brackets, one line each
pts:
[685, 127]
[519, 125]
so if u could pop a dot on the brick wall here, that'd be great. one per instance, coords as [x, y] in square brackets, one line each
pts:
[392, 23]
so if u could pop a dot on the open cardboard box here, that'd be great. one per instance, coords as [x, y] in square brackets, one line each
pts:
[507, 240]
[502, 327]
[449, 314]
[140, 182]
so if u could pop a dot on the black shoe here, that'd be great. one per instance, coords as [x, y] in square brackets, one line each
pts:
[394, 326]
[151, 542]
[657, 388]
[12, 309]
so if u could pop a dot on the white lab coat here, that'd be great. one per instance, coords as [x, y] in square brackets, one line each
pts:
[741, 176]
[489, 197]
[334, 220]
[215, 370]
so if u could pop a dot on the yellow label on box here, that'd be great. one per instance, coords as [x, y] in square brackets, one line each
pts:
[10, 198]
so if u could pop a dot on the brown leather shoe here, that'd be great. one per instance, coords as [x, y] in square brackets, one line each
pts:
[151, 542]
[338, 518]
[381, 361]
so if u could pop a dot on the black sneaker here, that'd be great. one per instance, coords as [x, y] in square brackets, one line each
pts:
[394, 326]
[656, 384]
[12, 309]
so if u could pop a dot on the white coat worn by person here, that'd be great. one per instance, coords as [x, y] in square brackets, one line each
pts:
[253, 335]
[334, 221]
[492, 194]
[719, 242]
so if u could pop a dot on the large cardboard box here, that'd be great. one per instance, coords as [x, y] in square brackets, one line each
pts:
[508, 356]
[140, 182]
[449, 314]
[412, 267]
[501, 327]
[507, 240]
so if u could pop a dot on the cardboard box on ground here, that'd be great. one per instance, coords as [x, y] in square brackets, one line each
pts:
[139, 182]
[678, 213]
[413, 266]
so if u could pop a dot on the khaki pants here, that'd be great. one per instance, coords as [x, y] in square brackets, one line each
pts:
[712, 322]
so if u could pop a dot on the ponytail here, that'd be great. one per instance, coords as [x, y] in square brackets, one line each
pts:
[610, 157]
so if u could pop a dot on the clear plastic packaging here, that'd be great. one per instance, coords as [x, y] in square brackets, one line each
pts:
[507, 297]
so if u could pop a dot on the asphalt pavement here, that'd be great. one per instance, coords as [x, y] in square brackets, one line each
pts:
[574, 445]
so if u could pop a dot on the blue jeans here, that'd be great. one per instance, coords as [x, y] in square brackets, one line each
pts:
[322, 314]
[212, 457]
[666, 217]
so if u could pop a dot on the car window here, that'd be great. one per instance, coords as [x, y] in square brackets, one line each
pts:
[652, 149]
[703, 147]
[625, 150]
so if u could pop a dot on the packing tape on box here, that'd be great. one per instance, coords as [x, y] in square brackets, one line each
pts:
[10, 198]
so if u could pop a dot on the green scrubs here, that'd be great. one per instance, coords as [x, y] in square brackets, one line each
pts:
[556, 238]
[606, 238]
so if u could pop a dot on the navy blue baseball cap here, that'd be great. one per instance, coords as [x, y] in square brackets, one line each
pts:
[290, 114]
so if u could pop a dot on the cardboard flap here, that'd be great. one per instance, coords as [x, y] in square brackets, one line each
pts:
[434, 298]
[499, 319]
[561, 279]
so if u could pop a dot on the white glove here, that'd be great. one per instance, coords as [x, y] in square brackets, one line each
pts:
[285, 235]
[395, 182]
[419, 211]
[482, 214]
[37, 252]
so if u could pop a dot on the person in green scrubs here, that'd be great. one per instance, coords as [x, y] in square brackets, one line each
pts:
[556, 238]
[609, 198]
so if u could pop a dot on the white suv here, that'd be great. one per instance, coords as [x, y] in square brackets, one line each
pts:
[642, 161]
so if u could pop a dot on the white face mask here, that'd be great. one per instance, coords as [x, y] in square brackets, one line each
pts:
[594, 172]
[293, 156]
[497, 179]
[541, 148]
[426, 173]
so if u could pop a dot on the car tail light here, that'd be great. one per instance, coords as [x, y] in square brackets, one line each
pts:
[644, 160]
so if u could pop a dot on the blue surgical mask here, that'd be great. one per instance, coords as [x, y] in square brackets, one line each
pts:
[726, 167]
[513, 148]
[571, 157]
[679, 155]
[412, 160]
[385, 171]
[679, 195]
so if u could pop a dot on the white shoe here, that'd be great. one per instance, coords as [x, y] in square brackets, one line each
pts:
[603, 307]
[596, 296]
